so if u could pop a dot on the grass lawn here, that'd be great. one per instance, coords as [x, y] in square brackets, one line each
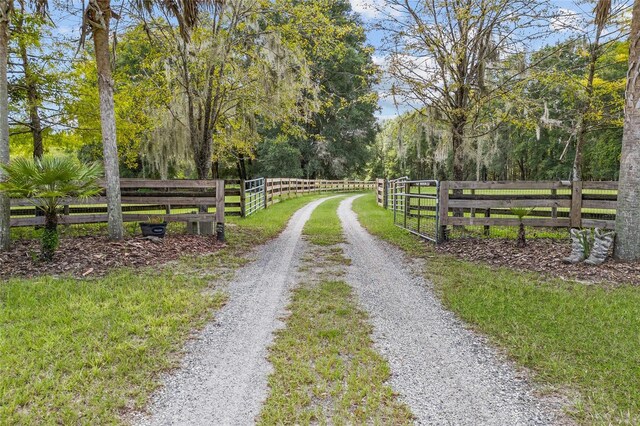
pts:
[326, 370]
[87, 351]
[580, 339]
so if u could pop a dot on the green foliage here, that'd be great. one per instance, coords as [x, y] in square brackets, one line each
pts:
[46, 183]
[521, 212]
[277, 158]
[334, 142]
[527, 133]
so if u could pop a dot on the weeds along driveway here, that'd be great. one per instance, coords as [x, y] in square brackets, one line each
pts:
[444, 372]
[223, 376]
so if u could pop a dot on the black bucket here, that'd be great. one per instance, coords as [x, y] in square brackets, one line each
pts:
[153, 229]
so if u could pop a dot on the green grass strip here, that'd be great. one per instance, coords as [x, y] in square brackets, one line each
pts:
[575, 337]
[326, 370]
[324, 227]
[74, 351]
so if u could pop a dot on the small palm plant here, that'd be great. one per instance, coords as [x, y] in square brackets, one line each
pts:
[45, 183]
[521, 213]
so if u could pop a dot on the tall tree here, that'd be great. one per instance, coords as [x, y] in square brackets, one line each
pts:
[438, 52]
[32, 92]
[6, 11]
[237, 73]
[5, 205]
[627, 246]
[97, 20]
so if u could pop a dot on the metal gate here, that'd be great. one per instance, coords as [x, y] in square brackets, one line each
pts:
[254, 196]
[415, 206]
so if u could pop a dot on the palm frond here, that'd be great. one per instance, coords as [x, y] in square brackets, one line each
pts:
[47, 181]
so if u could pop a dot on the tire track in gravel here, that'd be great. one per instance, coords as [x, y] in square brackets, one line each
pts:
[447, 374]
[223, 375]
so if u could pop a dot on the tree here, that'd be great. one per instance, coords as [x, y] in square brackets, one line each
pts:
[627, 245]
[237, 74]
[45, 183]
[5, 205]
[336, 141]
[98, 20]
[6, 11]
[438, 53]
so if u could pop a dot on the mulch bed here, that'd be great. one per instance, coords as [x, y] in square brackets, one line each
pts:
[541, 255]
[95, 256]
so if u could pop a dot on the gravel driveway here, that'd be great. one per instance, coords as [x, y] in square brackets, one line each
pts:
[444, 372]
[223, 376]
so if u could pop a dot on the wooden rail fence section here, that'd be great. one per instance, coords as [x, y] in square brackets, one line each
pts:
[179, 200]
[554, 203]
[278, 187]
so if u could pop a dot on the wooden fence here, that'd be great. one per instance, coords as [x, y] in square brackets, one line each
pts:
[183, 200]
[278, 187]
[559, 204]
[555, 204]
[174, 200]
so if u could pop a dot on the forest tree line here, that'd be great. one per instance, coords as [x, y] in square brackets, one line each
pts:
[281, 88]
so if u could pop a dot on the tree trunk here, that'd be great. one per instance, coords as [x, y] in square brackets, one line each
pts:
[522, 239]
[627, 247]
[100, 14]
[242, 168]
[50, 237]
[5, 206]
[594, 54]
[33, 97]
[457, 135]
[215, 170]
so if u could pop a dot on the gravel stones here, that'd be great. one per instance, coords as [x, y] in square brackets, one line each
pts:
[223, 376]
[445, 373]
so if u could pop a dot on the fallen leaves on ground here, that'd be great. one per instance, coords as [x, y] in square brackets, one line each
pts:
[540, 255]
[95, 256]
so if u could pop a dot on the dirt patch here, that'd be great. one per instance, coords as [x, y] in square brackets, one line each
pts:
[541, 255]
[95, 256]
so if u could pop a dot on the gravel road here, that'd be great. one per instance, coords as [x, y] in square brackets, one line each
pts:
[444, 372]
[223, 376]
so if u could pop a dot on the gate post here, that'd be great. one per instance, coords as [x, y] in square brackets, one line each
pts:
[243, 199]
[264, 191]
[443, 210]
[220, 210]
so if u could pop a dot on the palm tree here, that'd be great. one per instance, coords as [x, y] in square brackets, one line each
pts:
[627, 246]
[522, 236]
[46, 183]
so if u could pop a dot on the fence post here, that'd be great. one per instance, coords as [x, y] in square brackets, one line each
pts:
[220, 210]
[443, 210]
[264, 192]
[487, 228]
[243, 199]
[385, 194]
[407, 201]
[576, 204]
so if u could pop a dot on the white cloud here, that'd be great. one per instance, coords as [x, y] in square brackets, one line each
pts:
[368, 9]
[566, 20]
